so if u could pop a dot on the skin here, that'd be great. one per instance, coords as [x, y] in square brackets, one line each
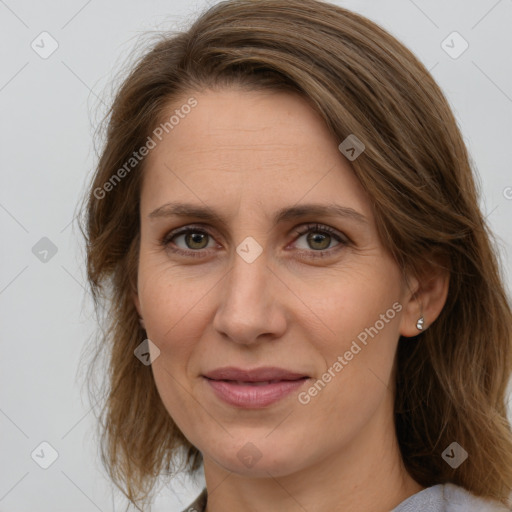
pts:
[247, 154]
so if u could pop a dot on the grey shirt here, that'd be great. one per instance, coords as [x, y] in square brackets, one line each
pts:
[438, 498]
[448, 498]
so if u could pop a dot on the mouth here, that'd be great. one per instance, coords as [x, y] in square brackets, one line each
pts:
[253, 395]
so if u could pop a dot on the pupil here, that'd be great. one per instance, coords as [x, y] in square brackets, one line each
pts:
[196, 238]
[318, 238]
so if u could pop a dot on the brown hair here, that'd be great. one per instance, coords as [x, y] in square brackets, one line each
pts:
[451, 379]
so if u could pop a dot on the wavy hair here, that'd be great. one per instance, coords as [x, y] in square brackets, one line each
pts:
[451, 379]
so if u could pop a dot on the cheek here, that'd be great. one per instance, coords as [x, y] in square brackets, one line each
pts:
[164, 305]
[177, 310]
[171, 308]
[167, 296]
[359, 302]
[365, 343]
[171, 321]
[359, 350]
[358, 358]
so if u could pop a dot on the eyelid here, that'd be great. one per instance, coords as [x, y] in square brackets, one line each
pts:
[200, 228]
[316, 226]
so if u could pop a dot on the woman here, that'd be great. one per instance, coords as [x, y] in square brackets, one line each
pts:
[304, 298]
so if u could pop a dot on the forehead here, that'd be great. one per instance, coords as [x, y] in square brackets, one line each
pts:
[231, 121]
[260, 145]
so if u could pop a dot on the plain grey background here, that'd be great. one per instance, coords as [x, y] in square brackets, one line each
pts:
[50, 107]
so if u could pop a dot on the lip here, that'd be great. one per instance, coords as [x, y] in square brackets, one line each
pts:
[251, 389]
[251, 396]
[253, 375]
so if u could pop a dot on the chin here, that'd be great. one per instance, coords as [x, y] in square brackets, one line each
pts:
[259, 458]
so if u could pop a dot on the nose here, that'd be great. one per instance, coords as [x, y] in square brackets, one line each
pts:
[251, 304]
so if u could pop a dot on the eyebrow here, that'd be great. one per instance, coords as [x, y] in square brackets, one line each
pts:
[179, 209]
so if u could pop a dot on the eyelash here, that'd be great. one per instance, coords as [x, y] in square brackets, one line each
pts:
[343, 241]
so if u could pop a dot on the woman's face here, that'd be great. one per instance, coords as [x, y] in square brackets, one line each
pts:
[263, 284]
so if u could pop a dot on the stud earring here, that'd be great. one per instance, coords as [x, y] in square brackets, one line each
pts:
[419, 323]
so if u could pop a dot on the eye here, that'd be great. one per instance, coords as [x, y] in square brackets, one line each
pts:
[197, 241]
[194, 239]
[319, 238]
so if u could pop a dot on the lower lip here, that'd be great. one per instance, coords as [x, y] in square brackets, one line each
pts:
[251, 396]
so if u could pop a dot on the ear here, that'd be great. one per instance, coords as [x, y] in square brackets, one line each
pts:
[427, 293]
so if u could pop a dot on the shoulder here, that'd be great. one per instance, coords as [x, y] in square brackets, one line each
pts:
[448, 498]
[199, 503]
[459, 499]
[439, 498]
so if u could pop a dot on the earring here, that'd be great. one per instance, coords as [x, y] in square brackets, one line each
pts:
[419, 323]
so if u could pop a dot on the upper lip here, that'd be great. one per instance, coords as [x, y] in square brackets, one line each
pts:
[261, 374]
